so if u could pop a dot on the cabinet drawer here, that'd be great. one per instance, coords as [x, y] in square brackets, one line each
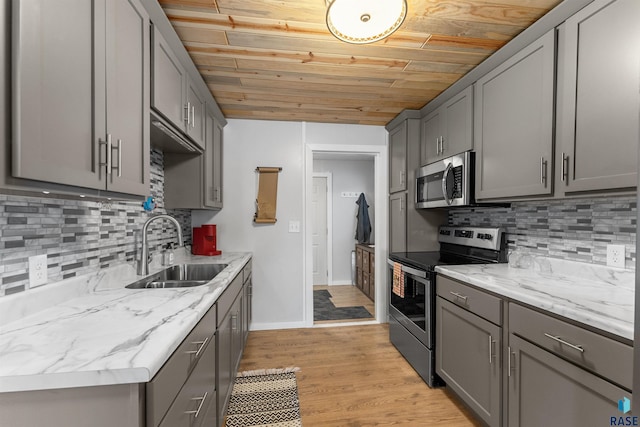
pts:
[476, 301]
[246, 272]
[193, 403]
[164, 386]
[228, 297]
[359, 257]
[365, 261]
[604, 356]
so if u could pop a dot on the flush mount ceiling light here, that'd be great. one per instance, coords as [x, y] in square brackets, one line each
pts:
[364, 21]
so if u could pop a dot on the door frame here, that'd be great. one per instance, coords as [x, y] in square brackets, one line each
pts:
[381, 178]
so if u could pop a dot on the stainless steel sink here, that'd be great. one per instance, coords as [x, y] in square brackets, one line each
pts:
[179, 276]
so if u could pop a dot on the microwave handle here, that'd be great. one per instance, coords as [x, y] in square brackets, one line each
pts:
[444, 184]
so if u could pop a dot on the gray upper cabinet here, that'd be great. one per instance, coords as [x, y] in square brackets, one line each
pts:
[173, 93]
[194, 181]
[398, 158]
[513, 124]
[196, 124]
[127, 76]
[598, 98]
[398, 222]
[449, 129]
[80, 109]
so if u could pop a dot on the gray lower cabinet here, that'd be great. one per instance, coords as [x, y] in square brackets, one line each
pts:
[194, 181]
[545, 390]
[598, 119]
[449, 129]
[563, 374]
[513, 124]
[80, 95]
[468, 359]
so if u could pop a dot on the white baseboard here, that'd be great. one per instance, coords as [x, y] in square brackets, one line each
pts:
[278, 325]
[341, 282]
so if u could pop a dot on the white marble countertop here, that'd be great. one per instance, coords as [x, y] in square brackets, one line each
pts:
[594, 295]
[91, 331]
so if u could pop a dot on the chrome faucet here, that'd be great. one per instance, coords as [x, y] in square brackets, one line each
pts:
[143, 262]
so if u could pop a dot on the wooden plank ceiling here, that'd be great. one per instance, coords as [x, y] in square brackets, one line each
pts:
[276, 60]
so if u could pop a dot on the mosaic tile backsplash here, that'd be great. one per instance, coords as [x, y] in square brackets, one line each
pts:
[79, 236]
[577, 230]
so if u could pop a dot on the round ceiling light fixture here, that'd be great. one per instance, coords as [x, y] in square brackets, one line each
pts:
[365, 21]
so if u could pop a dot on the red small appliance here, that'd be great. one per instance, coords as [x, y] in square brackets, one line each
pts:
[204, 240]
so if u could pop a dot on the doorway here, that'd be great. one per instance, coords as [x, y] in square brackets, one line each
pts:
[339, 173]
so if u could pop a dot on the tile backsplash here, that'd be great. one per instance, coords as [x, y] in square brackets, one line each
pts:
[79, 236]
[578, 230]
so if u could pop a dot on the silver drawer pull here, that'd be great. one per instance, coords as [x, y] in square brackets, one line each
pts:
[460, 296]
[197, 411]
[201, 345]
[568, 344]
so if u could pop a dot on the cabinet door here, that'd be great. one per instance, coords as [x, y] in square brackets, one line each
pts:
[127, 82]
[398, 158]
[545, 390]
[168, 95]
[209, 185]
[237, 329]
[599, 98]
[468, 359]
[53, 115]
[398, 222]
[246, 309]
[225, 371]
[458, 124]
[430, 140]
[513, 118]
[218, 143]
[196, 124]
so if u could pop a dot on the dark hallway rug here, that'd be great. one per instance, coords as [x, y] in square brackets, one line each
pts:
[323, 309]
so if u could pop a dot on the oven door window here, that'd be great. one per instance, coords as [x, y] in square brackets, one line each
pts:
[412, 305]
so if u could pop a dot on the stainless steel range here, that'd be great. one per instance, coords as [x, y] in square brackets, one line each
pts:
[412, 289]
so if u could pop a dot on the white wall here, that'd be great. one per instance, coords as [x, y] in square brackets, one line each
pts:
[278, 256]
[351, 176]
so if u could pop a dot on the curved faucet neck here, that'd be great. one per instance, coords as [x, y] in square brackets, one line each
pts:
[143, 263]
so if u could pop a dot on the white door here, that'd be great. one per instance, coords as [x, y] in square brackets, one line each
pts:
[319, 230]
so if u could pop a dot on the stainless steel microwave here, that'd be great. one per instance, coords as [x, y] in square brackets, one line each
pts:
[447, 182]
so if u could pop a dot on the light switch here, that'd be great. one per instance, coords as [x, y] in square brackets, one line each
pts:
[294, 226]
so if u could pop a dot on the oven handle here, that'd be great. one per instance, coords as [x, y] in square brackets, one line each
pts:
[409, 270]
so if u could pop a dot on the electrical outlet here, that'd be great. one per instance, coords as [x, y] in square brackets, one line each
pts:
[37, 270]
[615, 256]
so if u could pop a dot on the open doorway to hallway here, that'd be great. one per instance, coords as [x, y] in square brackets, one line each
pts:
[339, 181]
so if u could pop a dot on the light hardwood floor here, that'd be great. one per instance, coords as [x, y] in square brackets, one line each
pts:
[346, 296]
[353, 376]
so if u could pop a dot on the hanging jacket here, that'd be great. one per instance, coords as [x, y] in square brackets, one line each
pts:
[363, 223]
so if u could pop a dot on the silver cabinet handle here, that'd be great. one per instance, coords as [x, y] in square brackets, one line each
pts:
[187, 117]
[234, 322]
[119, 167]
[460, 296]
[200, 345]
[109, 154]
[437, 145]
[564, 173]
[402, 176]
[568, 344]
[441, 144]
[543, 171]
[193, 116]
[509, 368]
[491, 355]
[197, 411]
